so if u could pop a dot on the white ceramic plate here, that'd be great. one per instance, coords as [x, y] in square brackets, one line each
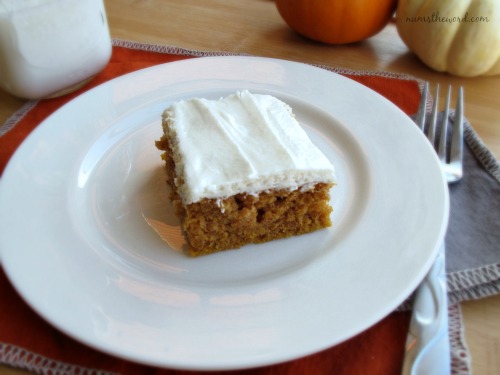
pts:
[76, 245]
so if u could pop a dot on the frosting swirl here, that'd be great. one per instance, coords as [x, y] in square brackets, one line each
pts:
[241, 143]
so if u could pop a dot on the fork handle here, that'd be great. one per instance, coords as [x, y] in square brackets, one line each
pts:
[428, 344]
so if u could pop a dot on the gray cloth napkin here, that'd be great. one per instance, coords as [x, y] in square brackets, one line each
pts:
[473, 236]
[472, 239]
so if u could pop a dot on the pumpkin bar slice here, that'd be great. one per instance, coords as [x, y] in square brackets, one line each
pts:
[242, 170]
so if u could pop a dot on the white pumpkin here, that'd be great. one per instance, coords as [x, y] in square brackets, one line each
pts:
[461, 37]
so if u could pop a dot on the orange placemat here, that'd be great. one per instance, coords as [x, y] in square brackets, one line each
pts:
[28, 342]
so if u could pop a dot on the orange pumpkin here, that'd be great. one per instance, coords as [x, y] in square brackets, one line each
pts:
[336, 21]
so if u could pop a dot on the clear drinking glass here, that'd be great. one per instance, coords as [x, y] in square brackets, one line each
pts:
[51, 47]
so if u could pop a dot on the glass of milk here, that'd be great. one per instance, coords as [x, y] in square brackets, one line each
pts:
[51, 47]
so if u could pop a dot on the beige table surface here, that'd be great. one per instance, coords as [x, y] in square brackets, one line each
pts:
[255, 27]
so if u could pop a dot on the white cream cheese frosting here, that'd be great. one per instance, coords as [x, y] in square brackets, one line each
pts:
[243, 143]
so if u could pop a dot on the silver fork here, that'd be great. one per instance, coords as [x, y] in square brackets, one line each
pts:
[451, 163]
[428, 344]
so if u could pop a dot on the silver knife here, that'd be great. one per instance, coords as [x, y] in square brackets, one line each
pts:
[428, 343]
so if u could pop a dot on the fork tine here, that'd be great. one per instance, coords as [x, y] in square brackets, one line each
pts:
[431, 132]
[456, 150]
[444, 128]
[421, 112]
[451, 165]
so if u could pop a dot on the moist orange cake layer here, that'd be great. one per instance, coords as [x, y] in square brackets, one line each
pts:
[212, 225]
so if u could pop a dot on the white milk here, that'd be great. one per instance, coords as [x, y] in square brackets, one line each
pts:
[51, 47]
